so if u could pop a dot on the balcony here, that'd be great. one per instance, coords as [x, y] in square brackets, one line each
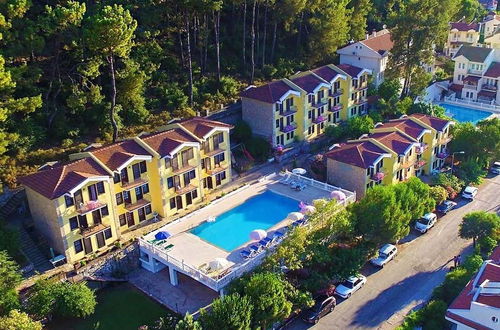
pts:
[136, 183]
[444, 140]
[185, 189]
[362, 86]
[477, 72]
[319, 104]
[488, 87]
[470, 87]
[89, 206]
[336, 108]
[137, 205]
[184, 168]
[319, 119]
[222, 167]
[422, 148]
[289, 111]
[214, 152]
[420, 164]
[407, 164]
[288, 128]
[443, 154]
[378, 176]
[89, 231]
[360, 101]
[337, 92]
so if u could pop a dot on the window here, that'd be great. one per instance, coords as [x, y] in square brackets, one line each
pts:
[136, 170]
[119, 198]
[277, 123]
[78, 246]
[168, 163]
[142, 215]
[147, 209]
[100, 187]
[218, 138]
[69, 201]
[170, 182]
[194, 193]
[122, 219]
[145, 188]
[219, 158]
[104, 211]
[73, 223]
[143, 166]
[116, 178]
[172, 203]
[108, 234]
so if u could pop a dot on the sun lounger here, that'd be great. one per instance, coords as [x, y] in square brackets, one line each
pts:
[298, 223]
[293, 184]
[278, 236]
[169, 247]
[285, 179]
[264, 243]
[300, 186]
[267, 240]
[255, 248]
[245, 254]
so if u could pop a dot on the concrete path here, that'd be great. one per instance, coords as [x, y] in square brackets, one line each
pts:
[408, 281]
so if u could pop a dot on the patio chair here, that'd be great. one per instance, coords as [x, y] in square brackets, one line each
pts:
[267, 240]
[286, 179]
[278, 237]
[263, 244]
[169, 247]
[293, 184]
[300, 186]
[245, 254]
[153, 241]
[255, 248]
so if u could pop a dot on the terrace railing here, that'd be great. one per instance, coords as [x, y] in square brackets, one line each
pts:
[474, 104]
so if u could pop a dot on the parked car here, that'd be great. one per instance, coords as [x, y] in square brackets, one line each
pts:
[349, 286]
[469, 192]
[385, 254]
[426, 222]
[322, 306]
[446, 206]
[495, 168]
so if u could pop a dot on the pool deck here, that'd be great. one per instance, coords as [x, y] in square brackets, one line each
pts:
[194, 251]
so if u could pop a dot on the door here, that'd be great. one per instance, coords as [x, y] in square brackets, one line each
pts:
[100, 240]
[87, 245]
[78, 198]
[177, 182]
[218, 180]
[126, 197]
[138, 193]
[82, 220]
[208, 164]
[142, 215]
[136, 170]
[96, 216]
[124, 175]
[130, 219]
[92, 192]
[210, 185]
[178, 202]
[282, 139]
[189, 199]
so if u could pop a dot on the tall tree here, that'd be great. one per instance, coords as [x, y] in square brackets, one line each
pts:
[252, 48]
[357, 22]
[109, 33]
[227, 313]
[10, 277]
[477, 225]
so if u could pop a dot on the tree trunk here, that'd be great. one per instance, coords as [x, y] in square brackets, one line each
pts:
[257, 33]
[113, 97]
[181, 45]
[217, 44]
[274, 42]
[300, 29]
[244, 34]
[264, 35]
[190, 64]
[205, 43]
[252, 55]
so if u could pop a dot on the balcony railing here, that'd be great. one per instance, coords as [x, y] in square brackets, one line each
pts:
[407, 163]
[187, 188]
[336, 108]
[319, 104]
[489, 87]
[89, 231]
[319, 119]
[217, 169]
[336, 92]
[360, 101]
[470, 86]
[137, 205]
[362, 86]
[377, 176]
[443, 154]
[288, 111]
[288, 128]
[420, 163]
[136, 183]
[422, 148]
[444, 140]
[89, 206]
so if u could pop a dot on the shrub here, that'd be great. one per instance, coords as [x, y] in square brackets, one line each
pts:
[486, 245]
[259, 148]
[337, 133]
[17, 320]
[471, 171]
[439, 194]
[359, 125]
[242, 132]
[450, 182]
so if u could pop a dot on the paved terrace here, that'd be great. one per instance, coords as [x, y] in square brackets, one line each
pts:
[189, 253]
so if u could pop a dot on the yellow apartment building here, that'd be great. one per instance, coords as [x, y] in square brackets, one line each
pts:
[302, 106]
[393, 152]
[84, 206]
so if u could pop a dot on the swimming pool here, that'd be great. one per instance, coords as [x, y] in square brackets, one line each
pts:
[232, 228]
[463, 114]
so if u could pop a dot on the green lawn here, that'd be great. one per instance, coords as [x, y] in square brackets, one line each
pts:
[120, 307]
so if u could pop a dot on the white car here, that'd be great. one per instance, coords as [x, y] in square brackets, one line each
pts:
[426, 222]
[469, 192]
[495, 168]
[385, 254]
[349, 286]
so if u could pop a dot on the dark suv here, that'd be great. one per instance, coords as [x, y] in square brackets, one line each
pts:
[322, 306]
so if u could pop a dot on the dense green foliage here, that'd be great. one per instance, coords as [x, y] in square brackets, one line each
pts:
[9, 240]
[227, 313]
[17, 320]
[10, 277]
[479, 225]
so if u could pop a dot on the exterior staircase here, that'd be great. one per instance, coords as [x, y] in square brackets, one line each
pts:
[12, 203]
[32, 252]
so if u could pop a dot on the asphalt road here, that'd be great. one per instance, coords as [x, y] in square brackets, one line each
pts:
[421, 265]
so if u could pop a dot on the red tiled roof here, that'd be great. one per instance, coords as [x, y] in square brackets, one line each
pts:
[326, 72]
[473, 79]
[381, 43]
[495, 255]
[201, 126]
[436, 123]
[465, 321]
[114, 155]
[462, 26]
[406, 125]
[395, 141]
[269, 93]
[53, 182]
[357, 153]
[351, 70]
[493, 71]
[307, 82]
[456, 87]
[491, 95]
[165, 142]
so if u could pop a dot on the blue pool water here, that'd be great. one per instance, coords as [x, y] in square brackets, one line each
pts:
[463, 114]
[232, 228]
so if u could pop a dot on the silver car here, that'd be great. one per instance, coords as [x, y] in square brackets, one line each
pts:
[426, 222]
[385, 254]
